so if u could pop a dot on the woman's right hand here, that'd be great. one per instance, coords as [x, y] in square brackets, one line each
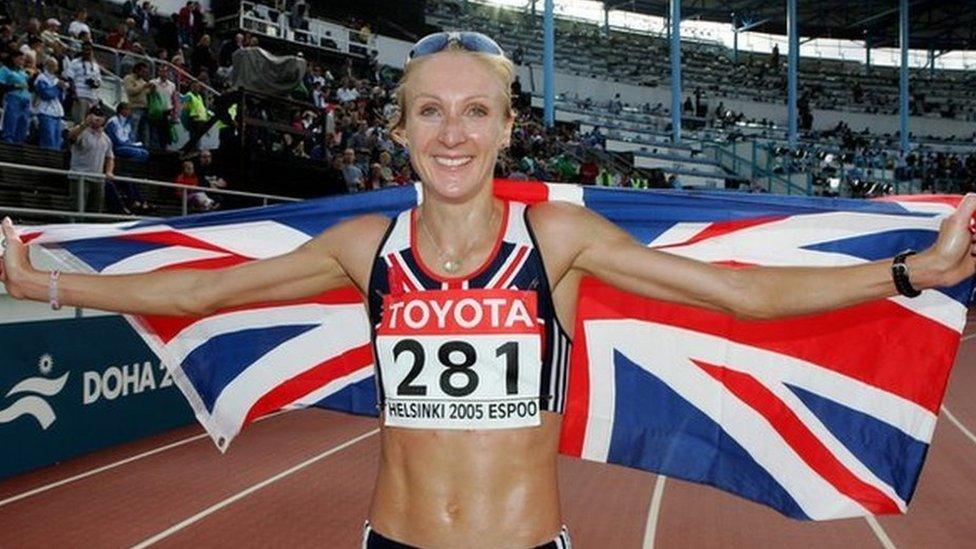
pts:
[15, 261]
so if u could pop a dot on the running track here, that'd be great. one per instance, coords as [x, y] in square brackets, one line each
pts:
[304, 479]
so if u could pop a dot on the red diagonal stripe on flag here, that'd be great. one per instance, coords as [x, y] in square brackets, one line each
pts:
[310, 380]
[880, 342]
[529, 192]
[175, 238]
[799, 437]
[723, 228]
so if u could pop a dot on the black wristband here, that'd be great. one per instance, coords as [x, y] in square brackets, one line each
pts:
[899, 273]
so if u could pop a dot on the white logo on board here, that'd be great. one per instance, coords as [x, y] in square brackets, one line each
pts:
[34, 403]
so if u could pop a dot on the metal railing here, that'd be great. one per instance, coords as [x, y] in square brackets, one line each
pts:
[84, 177]
[118, 55]
[320, 34]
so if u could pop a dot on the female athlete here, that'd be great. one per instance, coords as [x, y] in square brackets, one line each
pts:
[472, 300]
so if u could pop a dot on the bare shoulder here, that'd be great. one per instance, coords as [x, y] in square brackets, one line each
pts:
[563, 230]
[557, 221]
[558, 216]
[353, 233]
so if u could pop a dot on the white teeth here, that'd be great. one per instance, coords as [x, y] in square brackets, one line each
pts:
[452, 162]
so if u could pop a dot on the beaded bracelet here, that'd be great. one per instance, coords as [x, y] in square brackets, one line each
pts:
[52, 290]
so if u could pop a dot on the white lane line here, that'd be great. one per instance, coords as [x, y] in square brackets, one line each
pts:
[970, 336]
[97, 470]
[879, 532]
[113, 465]
[244, 493]
[650, 529]
[959, 424]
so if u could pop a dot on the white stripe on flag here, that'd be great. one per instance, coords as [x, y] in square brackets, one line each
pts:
[782, 243]
[566, 193]
[159, 257]
[276, 238]
[344, 329]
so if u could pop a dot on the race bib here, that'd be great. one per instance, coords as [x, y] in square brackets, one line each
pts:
[460, 359]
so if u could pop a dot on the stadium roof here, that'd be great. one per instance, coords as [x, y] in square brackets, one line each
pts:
[941, 25]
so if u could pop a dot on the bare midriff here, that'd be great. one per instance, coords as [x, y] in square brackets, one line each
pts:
[447, 488]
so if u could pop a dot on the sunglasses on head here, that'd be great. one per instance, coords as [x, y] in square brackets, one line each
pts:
[471, 41]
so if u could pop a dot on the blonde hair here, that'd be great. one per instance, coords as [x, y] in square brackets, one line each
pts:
[500, 66]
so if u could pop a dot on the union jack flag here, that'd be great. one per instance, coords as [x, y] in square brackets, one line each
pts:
[820, 417]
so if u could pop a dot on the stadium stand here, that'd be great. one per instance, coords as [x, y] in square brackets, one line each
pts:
[297, 145]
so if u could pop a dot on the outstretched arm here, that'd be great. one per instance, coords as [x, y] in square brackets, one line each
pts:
[609, 253]
[319, 265]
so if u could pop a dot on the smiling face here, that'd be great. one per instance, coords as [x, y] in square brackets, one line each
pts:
[456, 119]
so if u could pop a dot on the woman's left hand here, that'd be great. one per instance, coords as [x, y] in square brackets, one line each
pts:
[954, 251]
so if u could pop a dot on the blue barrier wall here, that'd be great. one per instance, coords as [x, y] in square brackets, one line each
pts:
[68, 387]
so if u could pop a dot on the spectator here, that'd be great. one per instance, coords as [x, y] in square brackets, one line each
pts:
[516, 92]
[404, 176]
[588, 171]
[128, 7]
[50, 92]
[119, 131]
[386, 169]
[33, 30]
[347, 93]
[359, 141]
[85, 76]
[202, 57]
[137, 54]
[131, 30]
[146, 16]
[197, 25]
[137, 89]
[298, 21]
[52, 28]
[91, 152]
[351, 174]
[195, 114]
[206, 171]
[196, 199]
[227, 49]
[30, 68]
[518, 54]
[168, 36]
[16, 102]
[79, 25]
[320, 95]
[34, 51]
[161, 108]
[185, 23]
[117, 38]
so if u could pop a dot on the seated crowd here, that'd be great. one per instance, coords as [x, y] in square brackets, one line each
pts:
[173, 73]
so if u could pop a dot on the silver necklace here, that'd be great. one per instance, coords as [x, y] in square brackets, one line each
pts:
[449, 264]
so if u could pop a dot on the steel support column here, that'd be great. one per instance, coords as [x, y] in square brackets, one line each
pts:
[675, 29]
[548, 66]
[735, 44]
[791, 76]
[903, 74]
[867, 54]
